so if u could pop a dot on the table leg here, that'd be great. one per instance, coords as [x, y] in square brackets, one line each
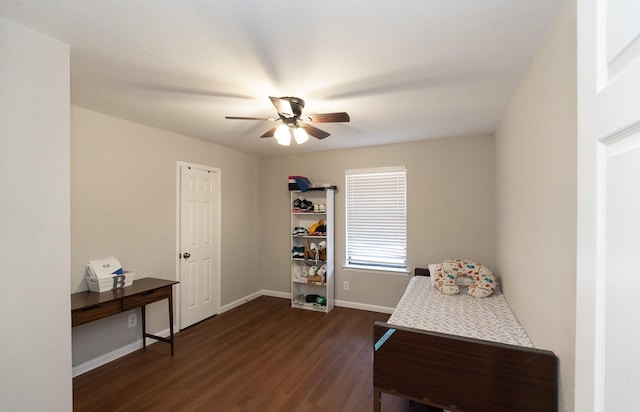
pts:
[144, 327]
[171, 317]
[146, 335]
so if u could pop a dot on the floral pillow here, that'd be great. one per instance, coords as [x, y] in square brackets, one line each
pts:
[446, 274]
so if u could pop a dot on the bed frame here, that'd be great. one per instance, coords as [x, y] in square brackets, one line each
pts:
[461, 374]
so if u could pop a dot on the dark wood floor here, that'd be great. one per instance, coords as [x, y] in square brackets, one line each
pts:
[262, 356]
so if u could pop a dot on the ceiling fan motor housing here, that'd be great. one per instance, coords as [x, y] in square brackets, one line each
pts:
[297, 104]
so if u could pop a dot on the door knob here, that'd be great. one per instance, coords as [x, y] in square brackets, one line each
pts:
[186, 255]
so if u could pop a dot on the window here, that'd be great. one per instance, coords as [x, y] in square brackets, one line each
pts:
[376, 218]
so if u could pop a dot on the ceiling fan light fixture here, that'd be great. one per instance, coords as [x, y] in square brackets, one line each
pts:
[294, 125]
[283, 135]
[300, 135]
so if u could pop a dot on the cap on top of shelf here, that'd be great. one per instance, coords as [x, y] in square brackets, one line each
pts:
[299, 183]
[303, 184]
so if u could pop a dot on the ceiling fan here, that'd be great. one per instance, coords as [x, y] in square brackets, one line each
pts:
[294, 123]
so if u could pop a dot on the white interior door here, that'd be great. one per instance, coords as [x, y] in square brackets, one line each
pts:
[198, 244]
[608, 308]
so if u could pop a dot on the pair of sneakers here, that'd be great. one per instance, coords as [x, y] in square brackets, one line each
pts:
[320, 208]
[297, 252]
[303, 205]
[300, 231]
[321, 271]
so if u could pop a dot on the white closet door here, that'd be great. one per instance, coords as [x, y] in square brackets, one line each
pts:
[199, 262]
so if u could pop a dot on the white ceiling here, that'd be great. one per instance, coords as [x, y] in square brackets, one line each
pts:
[404, 71]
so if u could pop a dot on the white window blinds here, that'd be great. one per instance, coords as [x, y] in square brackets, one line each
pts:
[376, 218]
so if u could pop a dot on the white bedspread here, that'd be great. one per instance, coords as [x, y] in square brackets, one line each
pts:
[490, 318]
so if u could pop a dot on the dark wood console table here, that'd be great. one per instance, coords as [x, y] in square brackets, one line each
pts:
[89, 306]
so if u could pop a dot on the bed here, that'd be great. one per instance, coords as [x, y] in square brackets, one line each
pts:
[449, 352]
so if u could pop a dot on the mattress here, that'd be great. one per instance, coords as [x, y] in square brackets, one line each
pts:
[425, 307]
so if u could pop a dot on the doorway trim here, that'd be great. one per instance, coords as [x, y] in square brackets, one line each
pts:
[218, 218]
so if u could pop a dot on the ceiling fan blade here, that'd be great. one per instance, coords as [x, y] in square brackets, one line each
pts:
[270, 133]
[329, 117]
[283, 106]
[249, 118]
[315, 132]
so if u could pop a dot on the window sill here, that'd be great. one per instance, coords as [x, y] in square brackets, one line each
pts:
[384, 271]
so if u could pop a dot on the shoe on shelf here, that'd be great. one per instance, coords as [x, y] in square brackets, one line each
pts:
[307, 205]
[321, 208]
[320, 230]
[310, 252]
[297, 252]
[299, 274]
[297, 204]
[314, 227]
[300, 231]
[323, 270]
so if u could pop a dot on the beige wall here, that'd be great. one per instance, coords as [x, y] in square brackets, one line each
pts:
[35, 342]
[536, 198]
[123, 204]
[123, 178]
[450, 209]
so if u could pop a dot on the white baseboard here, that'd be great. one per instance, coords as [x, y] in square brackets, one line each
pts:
[134, 346]
[286, 295]
[113, 355]
[276, 294]
[341, 303]
[240, 301]
[363, 306]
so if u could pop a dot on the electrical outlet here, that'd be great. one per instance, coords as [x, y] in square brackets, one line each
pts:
[133, 320]
[346, 285]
